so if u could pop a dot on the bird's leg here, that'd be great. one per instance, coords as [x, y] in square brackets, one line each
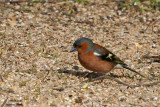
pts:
[100, 77]
[85, 75]
[97, 78]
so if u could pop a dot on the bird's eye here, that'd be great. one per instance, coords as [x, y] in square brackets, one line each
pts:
[79, 46]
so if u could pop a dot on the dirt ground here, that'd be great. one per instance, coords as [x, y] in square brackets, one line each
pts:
[37, 69]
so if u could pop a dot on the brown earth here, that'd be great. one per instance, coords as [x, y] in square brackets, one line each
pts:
[37, 69]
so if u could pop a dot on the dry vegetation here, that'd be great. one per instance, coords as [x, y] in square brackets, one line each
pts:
[37, 69]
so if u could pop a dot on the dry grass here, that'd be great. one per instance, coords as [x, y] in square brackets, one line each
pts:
[37, 69]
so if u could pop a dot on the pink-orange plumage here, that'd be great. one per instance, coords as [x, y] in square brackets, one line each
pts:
[97, 58]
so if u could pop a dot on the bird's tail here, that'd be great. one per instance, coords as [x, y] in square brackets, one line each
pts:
[124, 66]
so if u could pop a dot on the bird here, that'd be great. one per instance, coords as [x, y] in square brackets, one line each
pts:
[97, 58]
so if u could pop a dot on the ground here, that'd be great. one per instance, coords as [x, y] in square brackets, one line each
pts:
[37, 69]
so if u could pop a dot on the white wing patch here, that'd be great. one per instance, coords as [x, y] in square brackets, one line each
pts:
[109, 56]
[97, 54]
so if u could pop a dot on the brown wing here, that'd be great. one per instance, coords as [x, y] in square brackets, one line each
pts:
[105, 54]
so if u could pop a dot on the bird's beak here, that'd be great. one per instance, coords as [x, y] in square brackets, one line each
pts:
[73, 49]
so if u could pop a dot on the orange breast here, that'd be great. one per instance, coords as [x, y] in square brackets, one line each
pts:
[94, 63]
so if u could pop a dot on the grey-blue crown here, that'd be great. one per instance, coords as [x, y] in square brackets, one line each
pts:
[83, 40]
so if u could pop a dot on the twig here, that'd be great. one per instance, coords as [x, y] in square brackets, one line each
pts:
[4, 102]
[147, 84]
[1, 79]
[152, 23]
[120, 82]
[111, 78]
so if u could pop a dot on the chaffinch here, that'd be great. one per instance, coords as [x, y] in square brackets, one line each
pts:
[97, 58]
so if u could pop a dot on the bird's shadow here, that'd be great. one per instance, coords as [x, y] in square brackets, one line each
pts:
[89, 75]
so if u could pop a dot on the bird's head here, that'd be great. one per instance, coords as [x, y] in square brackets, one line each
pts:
[83, 45]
